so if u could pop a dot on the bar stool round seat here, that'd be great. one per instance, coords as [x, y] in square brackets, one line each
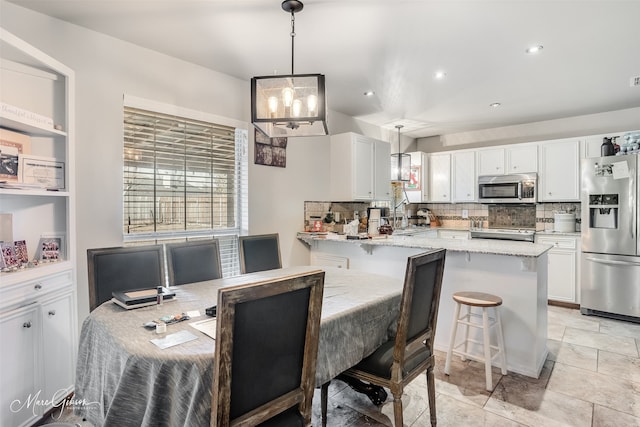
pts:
[480, 321]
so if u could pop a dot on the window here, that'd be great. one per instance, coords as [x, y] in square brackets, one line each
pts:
[184, 178]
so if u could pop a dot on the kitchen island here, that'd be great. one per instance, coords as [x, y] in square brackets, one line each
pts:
[515, 271]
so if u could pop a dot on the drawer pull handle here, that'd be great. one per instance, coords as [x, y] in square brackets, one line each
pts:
[26, 324]
[37, 287]
[52, 312]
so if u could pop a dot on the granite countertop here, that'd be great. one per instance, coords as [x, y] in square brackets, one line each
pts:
[496, 247]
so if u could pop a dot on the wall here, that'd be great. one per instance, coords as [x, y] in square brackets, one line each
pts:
[107, 68]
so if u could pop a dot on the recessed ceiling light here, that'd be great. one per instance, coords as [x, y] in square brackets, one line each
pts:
[439, 75]
[495, 105]
[534, 49]
[369, 93]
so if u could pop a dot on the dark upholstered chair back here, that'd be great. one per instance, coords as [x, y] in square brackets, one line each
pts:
[193, 261]
[266, 351]
[122, 269]
[421, 298]
[259, 253]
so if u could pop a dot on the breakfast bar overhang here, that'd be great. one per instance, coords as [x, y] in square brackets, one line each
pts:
[515, 271]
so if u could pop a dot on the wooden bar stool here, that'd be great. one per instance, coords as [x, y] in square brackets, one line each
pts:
[484, 301]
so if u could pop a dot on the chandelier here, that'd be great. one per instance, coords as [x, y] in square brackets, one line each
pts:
[293, 104]
[400, 163]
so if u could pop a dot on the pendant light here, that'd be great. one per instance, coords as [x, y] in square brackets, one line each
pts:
[292, 104]
[400, 163]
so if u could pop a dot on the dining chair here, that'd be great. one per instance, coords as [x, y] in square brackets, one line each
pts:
[266, 350]
[193, 261]
[259, 253]
[403, 357]
[122, 269]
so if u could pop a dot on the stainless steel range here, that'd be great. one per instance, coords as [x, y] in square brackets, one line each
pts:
[522, 235]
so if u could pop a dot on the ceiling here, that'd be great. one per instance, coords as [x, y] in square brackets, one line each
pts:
[394, 47]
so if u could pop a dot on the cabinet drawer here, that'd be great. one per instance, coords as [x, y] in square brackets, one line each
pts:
[26, 292]
[559, 242]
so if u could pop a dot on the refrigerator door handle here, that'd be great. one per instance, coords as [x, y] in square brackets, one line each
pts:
[612, 262]
[632, 207]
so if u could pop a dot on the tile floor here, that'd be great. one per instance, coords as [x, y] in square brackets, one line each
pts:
[591, 379]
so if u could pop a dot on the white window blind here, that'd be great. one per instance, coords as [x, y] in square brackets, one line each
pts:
[184, 178]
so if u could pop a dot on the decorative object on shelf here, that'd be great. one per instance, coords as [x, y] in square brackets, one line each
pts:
[400, 163]
[289, 105]
[49, 249]
[12, 144]
[270, 151]
[9, 255]
[20, 248]
[44, 171]
[24, 116]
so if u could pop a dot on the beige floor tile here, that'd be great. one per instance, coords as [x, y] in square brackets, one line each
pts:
[615, 393]
[466, 382]
[606, 417]
[619, 366]
[578, 356]
[620, 328]
[572, 318]
[454, 413]
[555, 331]
[554, 347]
[621, 345]
[531, 404]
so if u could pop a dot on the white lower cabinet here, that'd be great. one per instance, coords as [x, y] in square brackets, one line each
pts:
[37, 363]
[562, 269]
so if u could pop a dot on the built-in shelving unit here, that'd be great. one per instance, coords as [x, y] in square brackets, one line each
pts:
[38, 307]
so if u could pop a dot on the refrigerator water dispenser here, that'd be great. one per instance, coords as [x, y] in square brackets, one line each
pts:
[603, 211]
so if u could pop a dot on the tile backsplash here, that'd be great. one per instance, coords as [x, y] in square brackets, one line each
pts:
[539, 216]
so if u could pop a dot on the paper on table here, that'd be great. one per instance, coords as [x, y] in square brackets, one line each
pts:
[174, 339]
[206, 326]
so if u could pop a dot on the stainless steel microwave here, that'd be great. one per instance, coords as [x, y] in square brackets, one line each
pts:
[515, 188]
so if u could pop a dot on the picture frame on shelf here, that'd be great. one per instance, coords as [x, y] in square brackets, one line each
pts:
[9, 255]
[20, 248]
[50, 247]
[46, 172]
[12, 145]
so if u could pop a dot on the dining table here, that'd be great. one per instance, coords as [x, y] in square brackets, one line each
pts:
[124, 379]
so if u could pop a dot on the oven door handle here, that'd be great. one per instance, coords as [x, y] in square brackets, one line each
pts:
[519, 190]
[612, 262]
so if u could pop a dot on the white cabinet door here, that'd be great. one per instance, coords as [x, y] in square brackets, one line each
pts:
[559, 178]
[440, 174]
[522, 159]
[363, 164]
[561, 280]
[59, 346]
[463, 176]
[382, 171]
[420, 167]
[19, 365]
[491, 162]
[562, 271]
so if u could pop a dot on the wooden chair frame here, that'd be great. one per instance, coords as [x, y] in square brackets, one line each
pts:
[241, 246]
[404, 347]
[126, 252]
[173, 249]
[228, 299]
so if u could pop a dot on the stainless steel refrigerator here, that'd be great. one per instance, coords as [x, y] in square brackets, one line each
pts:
[610, 264]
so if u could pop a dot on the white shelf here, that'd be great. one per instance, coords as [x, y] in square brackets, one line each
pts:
[25, 127]
[45, 193]
[34, 273]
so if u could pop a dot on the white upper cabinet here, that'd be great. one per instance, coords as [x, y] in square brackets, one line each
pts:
[491, 162]
[559, 178]
[417, 188]
[522, 158]
[360, 168]
[519, 158]
[440, 174]
[463, 176]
